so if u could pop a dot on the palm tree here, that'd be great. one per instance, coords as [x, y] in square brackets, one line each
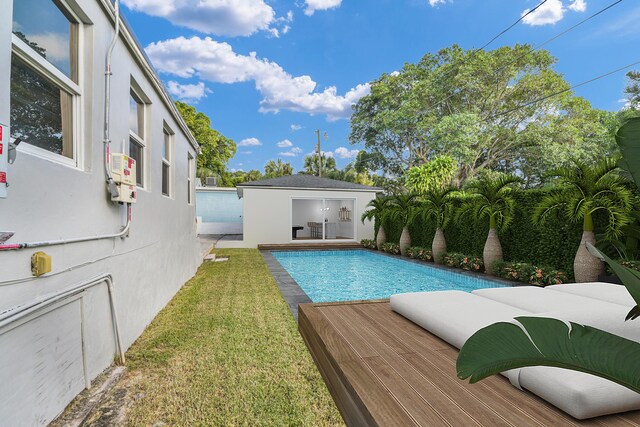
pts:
[273, 169]
[492, 198]
[438, 206]
[311, 164]
[583, 189]
[379, 209]
[403, 208]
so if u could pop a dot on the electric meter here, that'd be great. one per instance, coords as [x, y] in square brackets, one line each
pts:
[123, 169]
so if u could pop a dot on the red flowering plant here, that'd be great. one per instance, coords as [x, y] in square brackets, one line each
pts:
[418, 252]
[528, 273]
[369, 244]
[391, 248]
[471, 263]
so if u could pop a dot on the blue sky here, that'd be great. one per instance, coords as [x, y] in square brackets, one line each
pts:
[271, 72]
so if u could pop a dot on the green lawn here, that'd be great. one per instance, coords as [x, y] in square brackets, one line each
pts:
[226, 351]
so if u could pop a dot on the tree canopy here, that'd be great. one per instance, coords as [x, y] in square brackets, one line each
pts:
[633, 89]
[483, 109]
[216, 148]
[275, 169]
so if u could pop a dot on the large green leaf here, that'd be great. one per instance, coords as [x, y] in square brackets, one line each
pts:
[550, 342]
[630, 279]
[628, 139]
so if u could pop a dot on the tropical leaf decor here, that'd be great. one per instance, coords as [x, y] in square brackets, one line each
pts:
[539, 341]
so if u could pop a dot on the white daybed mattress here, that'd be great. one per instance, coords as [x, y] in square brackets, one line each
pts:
[455, 315]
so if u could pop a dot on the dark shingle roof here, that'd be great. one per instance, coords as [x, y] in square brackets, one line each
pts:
[308, 181]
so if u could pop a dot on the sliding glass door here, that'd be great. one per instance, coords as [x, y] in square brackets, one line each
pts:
[322, 219]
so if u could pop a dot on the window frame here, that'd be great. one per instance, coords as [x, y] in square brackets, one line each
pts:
[168, 139]
[141, 140]
[190, 178]
[51, 73]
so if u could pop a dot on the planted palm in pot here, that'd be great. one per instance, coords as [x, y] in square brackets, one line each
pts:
[492, 198]
[379, 208]
[438, 206]
[582, 190]
[403, 209]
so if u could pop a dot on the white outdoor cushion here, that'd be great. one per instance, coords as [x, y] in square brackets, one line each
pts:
[578, 394]
[536, 299]
[452, 315]
[455, 315]
[603, 291]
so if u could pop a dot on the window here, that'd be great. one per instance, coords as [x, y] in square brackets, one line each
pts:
[137, 145]
[190, 172]
[322, 219]
[45, 87]
[167, 157]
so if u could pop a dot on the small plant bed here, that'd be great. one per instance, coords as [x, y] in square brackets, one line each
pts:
[391, 248]
[463, 262]
[226, 351]
[528, 273]
[418, 252]
[369, 244]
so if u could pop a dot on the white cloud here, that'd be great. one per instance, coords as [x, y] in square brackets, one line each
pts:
[345, 153]
[246, 152]
[56, 45]
[578, 5]
[249, 142]
[434, 3]
[549, 13]
[285, 143]
[552, 12]
[324, 153]
[313, 5]
[220, 17]
[295, 128]
[187, 92]
[293, 152]
[217, 62]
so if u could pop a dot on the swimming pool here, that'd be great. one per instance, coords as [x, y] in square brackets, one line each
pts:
[342, 275]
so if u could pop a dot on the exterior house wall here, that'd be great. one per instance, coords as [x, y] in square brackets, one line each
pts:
[267, 213]
[47, 357]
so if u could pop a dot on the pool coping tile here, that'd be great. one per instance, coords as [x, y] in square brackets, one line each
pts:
[290, 290]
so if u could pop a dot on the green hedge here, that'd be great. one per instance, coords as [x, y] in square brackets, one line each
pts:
[554, 243]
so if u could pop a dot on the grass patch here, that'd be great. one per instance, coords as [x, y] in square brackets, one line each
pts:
[226, 351]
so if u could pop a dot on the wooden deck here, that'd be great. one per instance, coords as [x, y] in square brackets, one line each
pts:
[382, 369]
[309, 245]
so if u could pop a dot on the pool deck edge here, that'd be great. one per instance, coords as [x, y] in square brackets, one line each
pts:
[290, 290]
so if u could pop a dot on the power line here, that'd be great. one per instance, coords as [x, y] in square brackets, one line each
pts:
[540, 46]
[528, 104]
[475, 51]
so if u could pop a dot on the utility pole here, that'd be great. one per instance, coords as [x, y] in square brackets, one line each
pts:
[326, 136]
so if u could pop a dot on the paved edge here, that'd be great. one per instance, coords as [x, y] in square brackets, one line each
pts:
[290, 290]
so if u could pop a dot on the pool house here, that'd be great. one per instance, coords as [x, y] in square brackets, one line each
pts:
[301, 209]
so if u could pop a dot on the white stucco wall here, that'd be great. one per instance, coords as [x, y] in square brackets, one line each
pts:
[41, 360]
[267, 213]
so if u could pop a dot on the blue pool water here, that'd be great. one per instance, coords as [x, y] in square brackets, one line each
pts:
[362, 275]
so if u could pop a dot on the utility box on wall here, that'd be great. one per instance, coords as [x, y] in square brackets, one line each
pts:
[4, 159]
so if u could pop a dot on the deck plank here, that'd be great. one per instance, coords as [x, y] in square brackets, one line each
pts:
[382, 369]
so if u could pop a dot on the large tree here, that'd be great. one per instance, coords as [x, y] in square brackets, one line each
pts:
[216, 148]
[633, 89]
[478, 107]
